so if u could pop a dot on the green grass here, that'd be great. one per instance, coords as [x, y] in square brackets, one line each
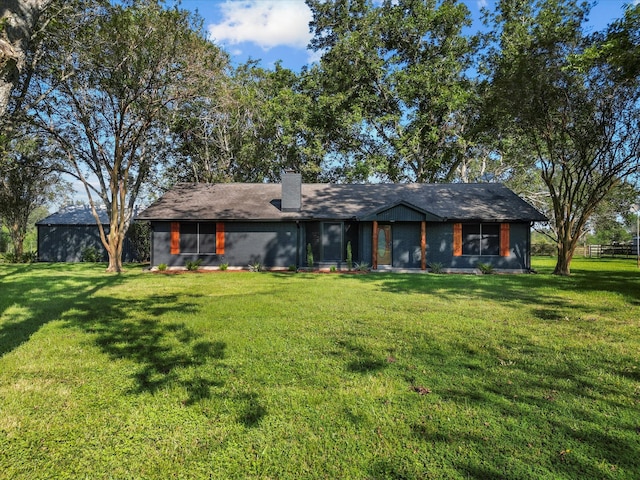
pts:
[281, 375]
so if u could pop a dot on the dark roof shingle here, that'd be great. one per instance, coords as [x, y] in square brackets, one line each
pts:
[261, 202]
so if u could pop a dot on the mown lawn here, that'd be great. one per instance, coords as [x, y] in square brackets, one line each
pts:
[280, 375]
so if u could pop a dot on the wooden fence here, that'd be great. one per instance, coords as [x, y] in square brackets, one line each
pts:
[591, 251]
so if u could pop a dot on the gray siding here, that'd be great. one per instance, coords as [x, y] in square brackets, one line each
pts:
[400, 213]
[65, 243]
[406, 245]
[271, 244]
[440, 249]
[281, 244]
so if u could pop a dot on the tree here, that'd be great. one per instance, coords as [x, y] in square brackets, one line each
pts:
[611, 222]
[565, 105]
[251, 125]
[392, 85]
[120, 79]
[28, 180]
[20, 21]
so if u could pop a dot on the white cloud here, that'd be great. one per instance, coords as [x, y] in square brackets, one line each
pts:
[481, 4]
[267, 23]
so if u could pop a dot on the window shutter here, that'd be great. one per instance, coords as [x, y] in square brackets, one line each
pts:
[175, 238]
[505, 247]
[219, 238]
[457, 239]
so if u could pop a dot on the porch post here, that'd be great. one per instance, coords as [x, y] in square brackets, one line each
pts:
[374, 246]
[423, 245]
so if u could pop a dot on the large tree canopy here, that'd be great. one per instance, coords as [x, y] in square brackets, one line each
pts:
[560, 94]
[20, 23]
[254, 124]
[119, 80]
[393, 87]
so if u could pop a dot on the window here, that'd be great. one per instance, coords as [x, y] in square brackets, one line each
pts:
[326, 239]
[332, 241]
[481, 239]
[195, 238]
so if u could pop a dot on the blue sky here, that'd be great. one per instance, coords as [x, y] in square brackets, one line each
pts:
[271, 30]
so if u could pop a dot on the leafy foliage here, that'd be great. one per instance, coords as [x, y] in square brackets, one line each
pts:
[193, 265]
[392, 86]
[117, 83]
[562, 104]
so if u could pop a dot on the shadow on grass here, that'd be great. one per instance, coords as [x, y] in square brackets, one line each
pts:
[562, 406]
[522, 289]
[33, 296]
[165, 354]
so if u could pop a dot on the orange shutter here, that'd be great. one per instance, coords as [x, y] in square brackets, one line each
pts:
[175, 238]
[505, 247]
[457, 239]
[219, 238]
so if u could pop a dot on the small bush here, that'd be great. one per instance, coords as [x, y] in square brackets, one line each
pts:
[309, 256]
[255, 267]
[26, 257]
[162, 267]
[223, 266]
[293, 268]
[90, 254]
[436, 267]
[193, 265]
[333, 268]
[362, 267]
[485, 268]
[349, 256]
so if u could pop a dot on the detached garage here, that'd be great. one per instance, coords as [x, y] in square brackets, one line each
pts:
[65, 235]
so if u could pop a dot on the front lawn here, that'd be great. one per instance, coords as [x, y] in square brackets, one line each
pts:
[281, 375]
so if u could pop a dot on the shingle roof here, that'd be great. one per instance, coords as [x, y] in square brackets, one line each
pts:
[75, 215]
[261, 202]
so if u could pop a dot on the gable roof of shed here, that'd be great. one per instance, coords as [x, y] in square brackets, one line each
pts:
[75, 215]
[322, 201]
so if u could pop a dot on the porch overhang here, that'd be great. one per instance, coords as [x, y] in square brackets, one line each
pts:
[401, 211]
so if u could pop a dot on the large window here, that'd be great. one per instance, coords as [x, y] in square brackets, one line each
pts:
[331, 241]
[327, 241]
[481, 239]
[195, 238]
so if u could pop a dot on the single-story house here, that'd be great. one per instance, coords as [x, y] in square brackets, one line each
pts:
[67, 234]
[388, 226]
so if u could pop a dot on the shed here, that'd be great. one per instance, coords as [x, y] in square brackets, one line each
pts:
[66, 234]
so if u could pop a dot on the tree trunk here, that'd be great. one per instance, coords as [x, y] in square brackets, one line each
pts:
[114, 250]
[17, 238]
[566, 248]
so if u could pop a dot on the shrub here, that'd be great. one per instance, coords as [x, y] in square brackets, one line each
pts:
[436, 267]
[333, 268]
[309, 256]
[485, 268]
[162, 267]
[90, 254]
[293, 268]
[193, 265]
[26, 257]
[223, 266]
[362, 267]
[349, 256]
[255, 267]
[140, 237]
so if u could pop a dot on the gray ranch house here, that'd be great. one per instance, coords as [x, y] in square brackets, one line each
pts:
[389, 226]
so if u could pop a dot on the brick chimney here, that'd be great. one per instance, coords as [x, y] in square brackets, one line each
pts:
[291, 191]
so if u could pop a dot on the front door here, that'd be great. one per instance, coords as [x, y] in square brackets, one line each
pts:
[384, 244]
